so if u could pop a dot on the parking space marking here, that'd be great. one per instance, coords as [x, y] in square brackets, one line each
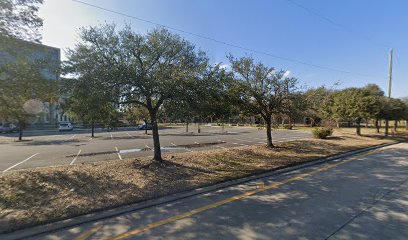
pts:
[71, 137]
[117, 151]
[173, 144]
[25, 160]
[148, 147]
[111, 136]
[129, 135]
[75, 158]
[242, 140]
[240, 144]
[89, 139]
[196, 142]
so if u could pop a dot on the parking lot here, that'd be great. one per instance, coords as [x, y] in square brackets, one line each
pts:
[52, 148]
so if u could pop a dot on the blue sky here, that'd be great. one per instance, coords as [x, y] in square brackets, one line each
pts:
[349, 35]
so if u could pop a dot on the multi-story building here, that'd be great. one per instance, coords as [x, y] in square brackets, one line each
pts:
[11, 49]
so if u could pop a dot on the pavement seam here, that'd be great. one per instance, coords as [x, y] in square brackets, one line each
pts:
[367, 208]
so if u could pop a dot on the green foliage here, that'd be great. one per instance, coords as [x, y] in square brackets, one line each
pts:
[318, 104]
[19, 19]
[146, 70]
[393, 109]
[322, 133]
[261, 90]
[23, 90]
[87, 103]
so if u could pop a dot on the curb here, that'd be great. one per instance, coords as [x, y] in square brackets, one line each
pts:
[108, 213]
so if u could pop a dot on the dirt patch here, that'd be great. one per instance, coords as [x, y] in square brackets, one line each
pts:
[35, 196]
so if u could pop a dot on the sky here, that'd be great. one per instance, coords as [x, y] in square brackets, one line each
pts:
[319, 42]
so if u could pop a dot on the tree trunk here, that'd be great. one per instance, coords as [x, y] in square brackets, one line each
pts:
[21, 127]
[395, 125]
[145, 121]
[377, 126]
[156, 139]
[366, 123]
[358, 128]
[20, 132]
[269, 132]
[312, 122]
[198, 128]
[386, 127]
[93, 129]
[187, 127]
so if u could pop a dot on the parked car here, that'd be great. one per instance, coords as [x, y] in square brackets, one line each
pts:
[65, 126]
[145, 126]
[8, 128]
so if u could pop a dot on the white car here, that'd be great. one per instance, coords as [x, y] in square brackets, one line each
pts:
[65, 126]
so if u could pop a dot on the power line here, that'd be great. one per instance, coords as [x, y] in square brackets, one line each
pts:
[221, 42]
[349, 30]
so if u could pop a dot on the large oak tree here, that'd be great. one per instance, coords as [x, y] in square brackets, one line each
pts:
[142, 69]
[261, 90]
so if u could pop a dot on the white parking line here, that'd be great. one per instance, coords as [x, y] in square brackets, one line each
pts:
[71, 137]
[117, 151]
[75, 158]
[196, 142]
[243, 140]
[148, 147]
[25, 160]
[89, 139]
[173, 144]
[129, 135]
[240, 144]
[111, 136]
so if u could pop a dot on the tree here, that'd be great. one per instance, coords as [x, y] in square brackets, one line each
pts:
[88, 104]
[393, 109]
[19, 19]
[260, 90]
[145, 70]
[205, 99]
[316, 101]
[353, 104]
[22, 91]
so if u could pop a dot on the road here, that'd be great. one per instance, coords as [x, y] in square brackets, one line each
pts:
[51, 149]
[364, 196]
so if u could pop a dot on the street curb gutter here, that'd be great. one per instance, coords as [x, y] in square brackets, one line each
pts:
[108, 213]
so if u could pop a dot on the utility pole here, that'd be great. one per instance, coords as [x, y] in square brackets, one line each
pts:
[390, 75]
[389, 89]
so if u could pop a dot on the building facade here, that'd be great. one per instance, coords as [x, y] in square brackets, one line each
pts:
[11, 50]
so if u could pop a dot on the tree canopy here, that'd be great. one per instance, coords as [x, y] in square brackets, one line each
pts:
[19, 19]
[146, 70]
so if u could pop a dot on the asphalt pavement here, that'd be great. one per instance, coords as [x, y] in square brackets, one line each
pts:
[51, 148]
[363, 196]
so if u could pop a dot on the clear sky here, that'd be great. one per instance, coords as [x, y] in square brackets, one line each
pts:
[349, 35]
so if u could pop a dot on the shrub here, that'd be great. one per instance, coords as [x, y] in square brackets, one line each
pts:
[322, 133]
